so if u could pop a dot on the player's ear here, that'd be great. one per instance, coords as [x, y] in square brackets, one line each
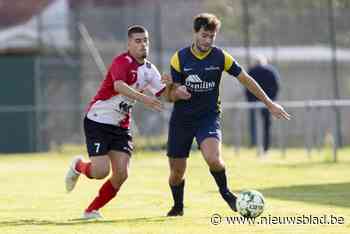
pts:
[129, 41]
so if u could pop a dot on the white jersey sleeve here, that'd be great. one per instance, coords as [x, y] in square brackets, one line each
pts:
[155, 85]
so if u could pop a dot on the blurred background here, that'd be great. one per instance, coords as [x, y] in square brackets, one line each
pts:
[53, 55]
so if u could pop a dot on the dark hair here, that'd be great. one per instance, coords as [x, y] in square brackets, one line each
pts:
[207, 21]
[136, 29]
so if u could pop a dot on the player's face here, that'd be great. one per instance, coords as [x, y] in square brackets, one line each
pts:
[138, 45]
[204, 39]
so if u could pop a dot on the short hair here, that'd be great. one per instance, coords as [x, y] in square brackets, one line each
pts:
[207, 21]
[260, 59]
[136, 29]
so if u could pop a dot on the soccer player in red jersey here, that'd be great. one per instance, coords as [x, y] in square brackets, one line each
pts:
[107, 121]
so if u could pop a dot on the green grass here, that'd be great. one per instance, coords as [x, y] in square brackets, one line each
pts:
[33, 200]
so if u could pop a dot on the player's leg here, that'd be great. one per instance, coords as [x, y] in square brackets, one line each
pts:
[180, 140]
[209, 140]
[97, 147]
[120, 145]
[177, 168]
[120, 168]
[120, 165]
[96, 168]
[99, 169]
[211, 151]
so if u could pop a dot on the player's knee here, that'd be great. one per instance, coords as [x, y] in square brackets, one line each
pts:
[175, 180]
[176, 176]
[120, 176]
[178, 172]
[216, 164]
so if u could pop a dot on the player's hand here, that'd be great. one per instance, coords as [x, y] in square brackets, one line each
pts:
[182, 93]
[166, 79]
[152, 103]
[278, 111]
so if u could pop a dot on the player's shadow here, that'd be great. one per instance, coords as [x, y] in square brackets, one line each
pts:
[331, 194]
[41, 222]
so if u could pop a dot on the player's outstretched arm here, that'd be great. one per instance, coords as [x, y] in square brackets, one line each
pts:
[169, 85]
[174, 91]
[178, 92]
[150, 102]
[275, 109]
[166, 79]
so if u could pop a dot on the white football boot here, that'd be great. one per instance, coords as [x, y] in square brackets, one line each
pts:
[72, 174]
[93, 215]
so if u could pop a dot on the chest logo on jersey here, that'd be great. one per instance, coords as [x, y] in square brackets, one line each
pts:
[195, 84]
[212, 68]
[124, 107]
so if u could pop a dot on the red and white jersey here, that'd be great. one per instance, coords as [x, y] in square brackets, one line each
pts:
[110, 107]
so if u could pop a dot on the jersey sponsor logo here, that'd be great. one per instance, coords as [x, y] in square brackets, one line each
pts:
[194, 79]
[212, 68]
[186, 69]
[124, 107]
[195, 84]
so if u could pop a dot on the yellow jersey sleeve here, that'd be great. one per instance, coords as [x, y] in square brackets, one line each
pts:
[231, 66]
[228, 60]
[175, 62]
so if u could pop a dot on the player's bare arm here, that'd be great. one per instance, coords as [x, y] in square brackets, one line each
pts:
[168, 81]
[174, 91]
[178, 92]
[275, 109]
[150, 102]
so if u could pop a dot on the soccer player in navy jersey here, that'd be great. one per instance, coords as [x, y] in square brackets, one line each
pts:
[196, 73]
[107, 121]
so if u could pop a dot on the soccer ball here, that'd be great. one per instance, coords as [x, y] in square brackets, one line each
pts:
[250, 203]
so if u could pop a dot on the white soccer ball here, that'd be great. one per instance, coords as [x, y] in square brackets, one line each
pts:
[250, 203]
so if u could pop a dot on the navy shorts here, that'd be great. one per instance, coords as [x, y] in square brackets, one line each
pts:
[180, 135]
[102, 138]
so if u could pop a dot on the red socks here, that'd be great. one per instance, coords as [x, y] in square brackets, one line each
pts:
[84, 168]
[106, 193]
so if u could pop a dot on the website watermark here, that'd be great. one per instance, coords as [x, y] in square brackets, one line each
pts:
[304, 219]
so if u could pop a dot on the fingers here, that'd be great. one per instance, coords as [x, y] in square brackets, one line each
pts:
[285, 115]
[282, 114]
[152, 103]
[166, 79]
[185, 95]
[182, 93]
[278, 112]
[156, 105]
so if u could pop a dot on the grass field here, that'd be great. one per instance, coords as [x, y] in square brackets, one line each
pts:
[33, 200]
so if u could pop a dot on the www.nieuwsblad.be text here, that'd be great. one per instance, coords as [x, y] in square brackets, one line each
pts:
[217, 219]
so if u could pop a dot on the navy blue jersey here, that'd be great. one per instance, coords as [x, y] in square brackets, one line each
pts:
[201, 74]
[268, 79]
